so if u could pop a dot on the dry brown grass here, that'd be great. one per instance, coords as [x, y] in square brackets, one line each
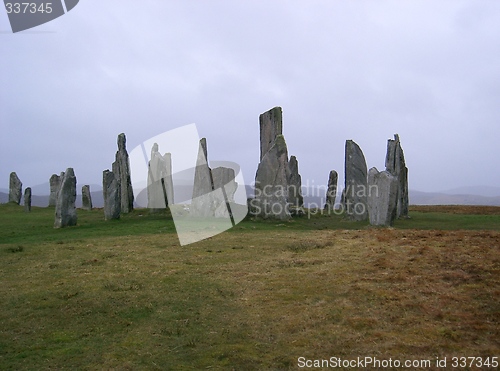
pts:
[386, 293]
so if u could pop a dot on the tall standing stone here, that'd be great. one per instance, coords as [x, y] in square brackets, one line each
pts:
[271, 180]
[27, 199]
[86, 198]
[331, 192]
[382, 197]
[202, 202]
[294, 181]
[111, 191]
[396, 165]
[65, 214]
[15, 188]
[356, 186]
[160, 183]
[271, 187]
[54, 183]
[271, 125]
[123, 174]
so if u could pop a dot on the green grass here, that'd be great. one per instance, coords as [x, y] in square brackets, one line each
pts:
[124, 295]
[447, 221]
[37, 226]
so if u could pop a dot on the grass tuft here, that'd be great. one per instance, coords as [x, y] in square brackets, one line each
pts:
[19, 248]
[305, 245]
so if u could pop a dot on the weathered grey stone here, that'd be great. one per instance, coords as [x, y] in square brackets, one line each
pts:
[15, 188]
[86, 198]
[294, 180]
[27, 199]
[271, 125]
[271, 187]
[331, 192]
[160, 183]
[224, 180]
[123, 175]
[55, 183]
[65, 214]
[356, 187]
[382, 197]
[202, 202]
[395, 164]
[111, 191]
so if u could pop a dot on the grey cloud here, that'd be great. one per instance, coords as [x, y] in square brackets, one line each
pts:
[341, 70]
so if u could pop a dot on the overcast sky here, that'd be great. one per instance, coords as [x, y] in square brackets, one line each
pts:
[361, 70]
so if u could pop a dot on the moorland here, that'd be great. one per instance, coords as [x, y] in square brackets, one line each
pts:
[124, 294]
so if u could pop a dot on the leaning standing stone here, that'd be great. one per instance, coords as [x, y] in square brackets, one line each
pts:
[355, 191]
[65, 200]
[27, 199]
[15, 188]
[86, 198]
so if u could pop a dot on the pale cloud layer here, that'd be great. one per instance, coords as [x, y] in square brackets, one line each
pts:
[361, 70]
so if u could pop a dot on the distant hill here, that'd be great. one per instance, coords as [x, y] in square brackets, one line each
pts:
[486, 191]
[431, 198]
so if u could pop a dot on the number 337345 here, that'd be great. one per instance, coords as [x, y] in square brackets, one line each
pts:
[32, 8]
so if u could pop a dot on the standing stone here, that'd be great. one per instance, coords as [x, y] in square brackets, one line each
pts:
[160, 183]
[331, 192]
[382, 197]
[273, 172]
[86, 198]
[27, 199]
[15, 188]
[294, 180]
[202, 202]
[54, 182]
[225, 187]
[355, 191]
[123, 174]
[271, 125]
[65, 214]
[111, 190]
[395, 164]
[271, 188]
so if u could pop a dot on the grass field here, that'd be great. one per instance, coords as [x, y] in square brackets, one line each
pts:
[124, 295]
